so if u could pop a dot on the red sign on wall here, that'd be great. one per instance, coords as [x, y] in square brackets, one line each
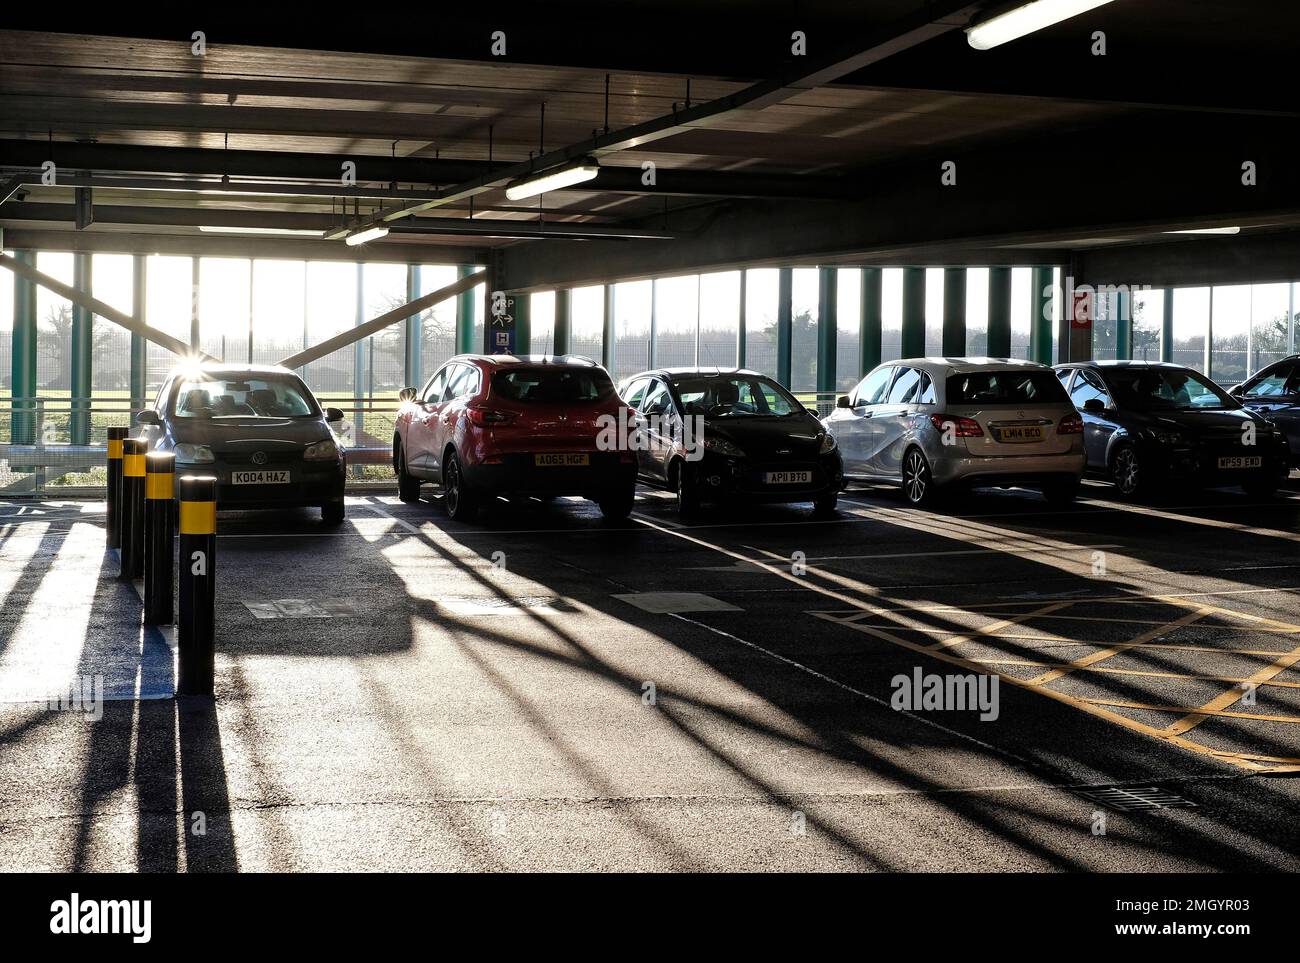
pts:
[1081, 315]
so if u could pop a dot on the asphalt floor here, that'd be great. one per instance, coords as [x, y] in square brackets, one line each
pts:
[542, 690]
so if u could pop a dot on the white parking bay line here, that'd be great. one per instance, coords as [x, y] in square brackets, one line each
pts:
[671, 603]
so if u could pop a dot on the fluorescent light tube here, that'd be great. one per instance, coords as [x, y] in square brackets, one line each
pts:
[1022, 20]
[367, 234]
[552, 180]
[1209, 230]
[225, 229]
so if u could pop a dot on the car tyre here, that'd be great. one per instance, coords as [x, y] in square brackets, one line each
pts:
[333, 512]
[408, 486]
[616, 504]
[1262, 488]
[1061, 494]
[688, 493]
[824, 505]
[918, 481]
[1126, 472]
[461, 503]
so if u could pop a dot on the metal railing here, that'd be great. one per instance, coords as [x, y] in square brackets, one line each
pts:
[52, 445]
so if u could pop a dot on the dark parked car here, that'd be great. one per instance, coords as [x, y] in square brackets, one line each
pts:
[1153, 423]
[1274, 392]
[258, 429]
[718, 436]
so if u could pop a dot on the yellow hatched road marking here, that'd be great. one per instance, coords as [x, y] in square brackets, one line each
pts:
[1112, 650]
[1217, 705]
[1224, 713]
[995, 626]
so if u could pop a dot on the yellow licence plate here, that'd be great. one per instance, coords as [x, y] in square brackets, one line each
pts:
[1020, 433]
[561, 460]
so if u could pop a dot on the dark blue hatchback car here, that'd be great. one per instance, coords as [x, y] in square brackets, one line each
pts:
[1274, 392]
[1153, 424]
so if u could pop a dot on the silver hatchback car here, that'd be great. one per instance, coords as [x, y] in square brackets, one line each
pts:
[936, 423]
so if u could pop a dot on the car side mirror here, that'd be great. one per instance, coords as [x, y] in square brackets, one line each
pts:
[843, 402]
[406, 394]
[1094, 405]
[333, 415]
[148, 417]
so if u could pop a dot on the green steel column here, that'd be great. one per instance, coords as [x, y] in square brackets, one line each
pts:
[1040, 317]
[139, 347]
[913, 313]
[414, 330]
[784, 324]
[465, 315]
[869, 320]
[359, 353]
[82, 349]
[563, 319]
[999, 312]
[23, 383]
[195, 333]
[522, 310]
[1123, 326]
[954, 312]
[607, 334]
[1167, 328]
[827, 327]
[740, 320]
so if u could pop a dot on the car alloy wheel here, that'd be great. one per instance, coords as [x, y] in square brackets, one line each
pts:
[916, 478]
[1127, 472]
[458, 501]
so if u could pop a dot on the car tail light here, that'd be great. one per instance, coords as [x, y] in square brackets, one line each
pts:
[489, 417]
[962, 427]
[1070, 425]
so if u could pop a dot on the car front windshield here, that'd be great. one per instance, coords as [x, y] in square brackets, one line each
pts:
[734, 396]
[1167, 388]
[266, 397]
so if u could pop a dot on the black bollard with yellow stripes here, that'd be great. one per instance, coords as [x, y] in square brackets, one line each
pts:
[113, 518]
[196, 592]
[159, 473]
[131, 514]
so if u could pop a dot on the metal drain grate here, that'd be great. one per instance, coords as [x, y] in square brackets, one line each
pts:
[1135, 799]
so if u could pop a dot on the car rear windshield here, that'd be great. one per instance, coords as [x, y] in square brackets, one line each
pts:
[215, 397]
[1155, 388]
[1007, 387]
[734, 396]
[552, 385]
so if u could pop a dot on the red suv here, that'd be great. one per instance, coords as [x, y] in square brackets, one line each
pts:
[488, 425]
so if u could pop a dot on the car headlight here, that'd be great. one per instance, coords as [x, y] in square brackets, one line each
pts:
[828, 444]
[720, 446]
[321, 451]
[193, 454]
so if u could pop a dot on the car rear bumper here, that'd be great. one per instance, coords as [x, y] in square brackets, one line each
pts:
[1202, 467]
[519, 474]
[1008, 470]
[746, 480]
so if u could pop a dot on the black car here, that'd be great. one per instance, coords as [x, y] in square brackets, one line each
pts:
[719, 436]
[1152, 423]
[1274, 392]
[258, 429]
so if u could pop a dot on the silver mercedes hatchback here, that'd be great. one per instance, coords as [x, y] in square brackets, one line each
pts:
[931, 424]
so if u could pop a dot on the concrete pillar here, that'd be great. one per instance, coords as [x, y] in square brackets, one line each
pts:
[954, 312]
[827, 327]
[740, 319]
[563, 319]
[654, 324]
[1167, 327]
[999, 312]
[140, 347]
[913, 336]
[82, 350]
[784, 324]
[608, 337]
[23, 367]
[1040, 315]
[491, 278]
[870, 314]
[411, 360]
[465, 315]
